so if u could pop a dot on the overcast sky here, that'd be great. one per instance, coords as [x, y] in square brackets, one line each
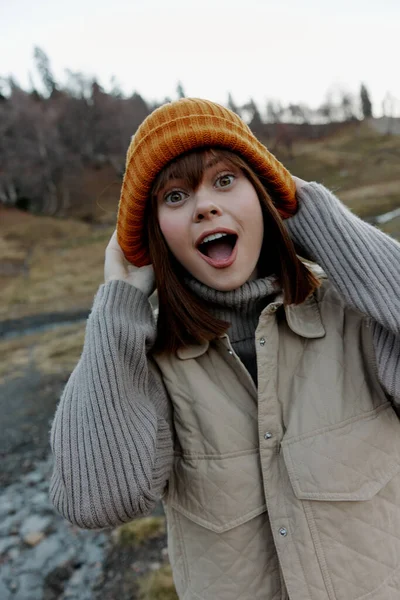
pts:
[292, 50]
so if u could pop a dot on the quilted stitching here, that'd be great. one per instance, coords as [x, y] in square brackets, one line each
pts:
[210, 493]
[221, 562]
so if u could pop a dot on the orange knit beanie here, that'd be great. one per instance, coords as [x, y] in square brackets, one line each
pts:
[167, 133]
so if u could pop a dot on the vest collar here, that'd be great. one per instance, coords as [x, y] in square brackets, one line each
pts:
[192, 351]
[303, 319]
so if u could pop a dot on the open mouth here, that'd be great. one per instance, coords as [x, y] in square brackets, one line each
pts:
[218, 247]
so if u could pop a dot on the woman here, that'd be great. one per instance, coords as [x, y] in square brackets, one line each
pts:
[260, 406]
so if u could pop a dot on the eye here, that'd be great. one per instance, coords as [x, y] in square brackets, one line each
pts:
[225, 180]
[175, 197]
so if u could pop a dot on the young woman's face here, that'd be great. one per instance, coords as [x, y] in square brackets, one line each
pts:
[215, 231]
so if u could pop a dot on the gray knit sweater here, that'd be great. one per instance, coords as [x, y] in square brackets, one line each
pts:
[111, 434]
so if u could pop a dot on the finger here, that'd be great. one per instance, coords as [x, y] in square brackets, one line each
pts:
[113, 246]
[299, 182]
[113, 239]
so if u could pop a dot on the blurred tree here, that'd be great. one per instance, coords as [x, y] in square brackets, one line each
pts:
[32, 158]
[275, 111]
[116, 90]
[254, 118]
[50, 143]
[366, 104]
[78, 85]
[299, 113]
[347, 106]
[232, 104]
[43, 67]
[4, 88]
[34, 92]
[139, 110]
[327, 109]
[180, 91]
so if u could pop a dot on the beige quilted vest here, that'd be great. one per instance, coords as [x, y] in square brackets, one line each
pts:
[293, 491]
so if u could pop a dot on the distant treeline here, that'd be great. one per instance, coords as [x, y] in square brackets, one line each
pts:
[49, 138]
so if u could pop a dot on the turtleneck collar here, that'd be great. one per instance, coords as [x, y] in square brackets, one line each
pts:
[241, 308]
[245, 298]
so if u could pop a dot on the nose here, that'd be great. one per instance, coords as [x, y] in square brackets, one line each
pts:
[206, 209]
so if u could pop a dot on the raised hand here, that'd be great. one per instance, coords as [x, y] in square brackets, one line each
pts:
[117, 267]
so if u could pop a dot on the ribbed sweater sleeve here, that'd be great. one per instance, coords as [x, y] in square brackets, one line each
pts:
[110, 436]
[363, 264]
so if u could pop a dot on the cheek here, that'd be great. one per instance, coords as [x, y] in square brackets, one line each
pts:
[256, 214]
[173, 230]
[255, 220]
[260, 224]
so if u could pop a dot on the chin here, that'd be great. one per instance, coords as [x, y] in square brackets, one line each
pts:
[226, 284]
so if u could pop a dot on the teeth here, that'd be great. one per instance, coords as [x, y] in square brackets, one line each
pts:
[212, 237]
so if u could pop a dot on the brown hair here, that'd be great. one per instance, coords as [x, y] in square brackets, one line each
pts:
[183, 318]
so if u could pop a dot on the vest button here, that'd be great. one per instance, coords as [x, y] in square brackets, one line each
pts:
[283, 531]
[262, 342]
[230, 352]
[268, 435]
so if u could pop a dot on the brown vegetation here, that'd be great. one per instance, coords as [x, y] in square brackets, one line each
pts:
[139, 531]
[158, 585]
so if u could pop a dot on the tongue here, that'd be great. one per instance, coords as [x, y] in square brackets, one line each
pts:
[219, 250]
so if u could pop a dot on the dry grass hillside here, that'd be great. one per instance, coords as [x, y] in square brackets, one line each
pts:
[360, 165]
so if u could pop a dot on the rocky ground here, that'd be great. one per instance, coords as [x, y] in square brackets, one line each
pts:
[42, 556]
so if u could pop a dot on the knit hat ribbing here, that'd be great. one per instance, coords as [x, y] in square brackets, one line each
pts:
[168, 132]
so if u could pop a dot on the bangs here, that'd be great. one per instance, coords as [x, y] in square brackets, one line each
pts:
[190, 167]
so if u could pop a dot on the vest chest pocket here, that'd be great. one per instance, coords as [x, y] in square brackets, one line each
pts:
[348, 479]
[218, 492]
[351, 461]
[219, 537]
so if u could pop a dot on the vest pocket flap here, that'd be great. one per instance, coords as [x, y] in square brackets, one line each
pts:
[218, 493]
[351, 461]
